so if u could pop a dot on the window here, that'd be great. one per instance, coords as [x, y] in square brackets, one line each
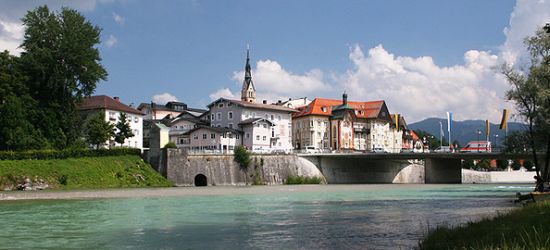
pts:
[272, 117]
[211, 117]
[212, 136]
[257, 138]
[136, 132]
[203, 136]
[265, 125]
[231, 135]
[219, 126]
[196, 136]
[278, 117]
[112, 116]
[230, 125]
[136, 119]
[218, 116]
[220, 105]
[266, 116]
[247, 135]
[311, 123]
[324, 109]
[230, 115]
[229, 104]
[223, 135]
[264, 138]
[272, 132]
[237, 136]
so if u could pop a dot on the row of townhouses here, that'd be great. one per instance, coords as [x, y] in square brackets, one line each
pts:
[297, 124]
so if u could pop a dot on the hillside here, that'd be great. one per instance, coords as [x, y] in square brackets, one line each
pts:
[465, 131]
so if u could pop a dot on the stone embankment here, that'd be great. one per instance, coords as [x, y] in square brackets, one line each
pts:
[472, 176]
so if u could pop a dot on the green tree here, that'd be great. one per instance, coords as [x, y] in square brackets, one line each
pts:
[62, 64]
[17, 109]
[531, 94]
[123, 130]
[242, 156]
[432, 141]
[98, 131]
[516, 142]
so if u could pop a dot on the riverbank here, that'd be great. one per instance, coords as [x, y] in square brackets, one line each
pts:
[79, 173]
[521, 228]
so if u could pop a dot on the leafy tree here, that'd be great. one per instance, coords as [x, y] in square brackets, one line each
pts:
[62, 64]
[432, 141]
[242, 156]
[17, 108]
[516, 142]
[170, 145]
[123, 129]
[531, 94]
[98, 131]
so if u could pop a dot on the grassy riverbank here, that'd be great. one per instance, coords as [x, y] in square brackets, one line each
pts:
[523, 228]
[80, 173]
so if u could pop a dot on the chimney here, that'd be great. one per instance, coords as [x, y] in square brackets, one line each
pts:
[279, 102]
[264, 101]
[345, 98]
[290, 99]
[116, 98]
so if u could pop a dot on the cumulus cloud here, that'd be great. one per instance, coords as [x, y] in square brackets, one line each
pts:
[111, 41]
[164, 98]
[273, 82]
[118, 19]
[225, 93]
[11, 36]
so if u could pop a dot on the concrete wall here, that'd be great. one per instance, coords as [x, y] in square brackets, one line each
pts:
[471, 176]
[355, 170]
[182, 169]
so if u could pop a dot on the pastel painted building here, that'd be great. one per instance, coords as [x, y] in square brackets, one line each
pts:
[112, 108]
[214, 138]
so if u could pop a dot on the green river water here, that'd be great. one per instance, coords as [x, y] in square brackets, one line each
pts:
[257, 217]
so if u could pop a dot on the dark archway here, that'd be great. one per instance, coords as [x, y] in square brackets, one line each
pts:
[200, 180]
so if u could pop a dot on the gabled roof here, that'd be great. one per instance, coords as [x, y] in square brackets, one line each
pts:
[105, 102]
[253, 105]
[255, 120]
[324, 107]
[157, 106]
[214, 129]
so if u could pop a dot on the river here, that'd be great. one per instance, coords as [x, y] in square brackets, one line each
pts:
[389, 216]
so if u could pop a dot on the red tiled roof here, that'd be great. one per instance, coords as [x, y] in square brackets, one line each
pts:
[366, 109]
[105, 102]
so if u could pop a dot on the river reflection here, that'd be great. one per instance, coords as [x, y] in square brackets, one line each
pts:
[276, 217]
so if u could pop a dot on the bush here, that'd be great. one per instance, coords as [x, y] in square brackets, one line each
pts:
[242, 156]
[67, 153]
[293, 180]
[170, 145]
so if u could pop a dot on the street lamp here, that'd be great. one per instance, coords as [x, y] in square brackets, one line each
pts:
[496, 140]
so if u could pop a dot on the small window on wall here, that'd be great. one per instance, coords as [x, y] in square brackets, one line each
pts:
[230, 115]
[220, 105]
[203, 136]
[196, 136]
[247, 135]
[136, 119]
[212, 136]
[264, 138]
[237, 136]
[211, 117]
[257, 138]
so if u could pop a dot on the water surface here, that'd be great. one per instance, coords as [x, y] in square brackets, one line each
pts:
[270, 217]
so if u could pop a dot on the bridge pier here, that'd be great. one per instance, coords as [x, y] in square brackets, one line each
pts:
[442, 170]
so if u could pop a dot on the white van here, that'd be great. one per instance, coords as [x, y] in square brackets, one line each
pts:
[311, 150]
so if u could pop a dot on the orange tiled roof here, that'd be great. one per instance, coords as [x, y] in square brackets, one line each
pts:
[366, 109]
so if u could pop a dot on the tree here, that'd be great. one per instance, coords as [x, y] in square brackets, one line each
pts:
[531, 94]
[123, 129]
[432, 141]
[62, 65]
[98, 131]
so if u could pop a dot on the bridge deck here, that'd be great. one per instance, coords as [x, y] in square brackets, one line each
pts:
[407, 156]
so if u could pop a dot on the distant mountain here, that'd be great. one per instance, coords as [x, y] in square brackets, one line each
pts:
[465, 131]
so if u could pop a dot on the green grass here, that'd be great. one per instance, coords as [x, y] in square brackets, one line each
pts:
[293, 180]
[82, 173]
[523, 228]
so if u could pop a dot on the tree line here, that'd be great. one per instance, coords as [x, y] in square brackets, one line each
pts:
[41, 88]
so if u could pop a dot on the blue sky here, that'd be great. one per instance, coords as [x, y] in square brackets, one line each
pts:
[392, 50]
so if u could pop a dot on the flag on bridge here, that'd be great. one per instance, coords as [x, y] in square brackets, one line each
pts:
[487, 129]
[449, 121]
[504, 121]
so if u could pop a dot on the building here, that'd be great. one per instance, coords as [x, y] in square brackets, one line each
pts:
[218, 139]
[295, 103]
[112, 108]
[329, 124]
[176, 116]
[265, 127]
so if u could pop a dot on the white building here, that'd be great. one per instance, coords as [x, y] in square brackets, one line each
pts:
[206, 138]
[112, 108]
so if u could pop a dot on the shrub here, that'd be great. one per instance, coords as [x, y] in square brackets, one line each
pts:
[292, 180]
[66, 153]
[170, 145]
[242, 156]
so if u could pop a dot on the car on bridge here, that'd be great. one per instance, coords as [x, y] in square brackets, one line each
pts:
[443, 149]
[378, 150]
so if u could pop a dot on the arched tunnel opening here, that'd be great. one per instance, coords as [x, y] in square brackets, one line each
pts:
[200, 180]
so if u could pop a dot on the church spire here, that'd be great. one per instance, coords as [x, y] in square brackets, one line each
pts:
[248, 92]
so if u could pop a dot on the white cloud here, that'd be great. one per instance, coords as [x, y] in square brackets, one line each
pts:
[118, 19]
[225, 93]
[164, 98]
[111, 41]
[11, 35]
[273, 82]
[527, 16]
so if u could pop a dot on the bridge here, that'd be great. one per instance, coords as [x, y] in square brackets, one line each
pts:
[350, 168]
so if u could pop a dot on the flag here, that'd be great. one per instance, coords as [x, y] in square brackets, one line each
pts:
[397, 121]
[504, 121]
[440, 129]
[449, 121]
[487, 128]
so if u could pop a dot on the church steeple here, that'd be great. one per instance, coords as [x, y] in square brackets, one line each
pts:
[248, 92]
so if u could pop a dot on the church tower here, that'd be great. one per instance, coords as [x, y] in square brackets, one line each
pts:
[248, 93]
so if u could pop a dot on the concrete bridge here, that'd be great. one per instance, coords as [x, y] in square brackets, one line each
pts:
[351, 168]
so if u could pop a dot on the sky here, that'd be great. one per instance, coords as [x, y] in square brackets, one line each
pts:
[423, 57]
